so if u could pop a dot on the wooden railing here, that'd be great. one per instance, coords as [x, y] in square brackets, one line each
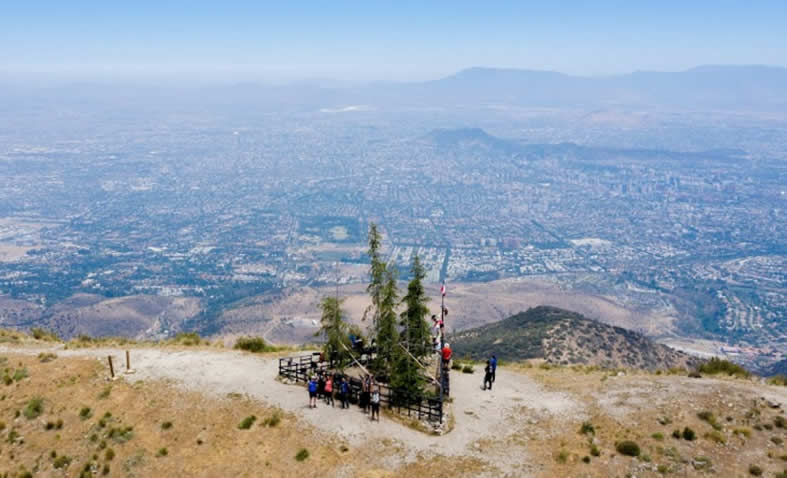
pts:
[300, 368]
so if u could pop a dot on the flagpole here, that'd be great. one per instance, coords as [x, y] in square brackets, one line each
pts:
[442, 341]
[442, 316]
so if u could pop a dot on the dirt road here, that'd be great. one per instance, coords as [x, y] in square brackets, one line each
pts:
[479, 415]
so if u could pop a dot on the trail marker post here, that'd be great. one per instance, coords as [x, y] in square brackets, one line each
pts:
[128, 362]
[111, 368]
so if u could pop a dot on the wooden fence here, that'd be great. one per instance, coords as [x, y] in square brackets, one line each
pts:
[300, 368]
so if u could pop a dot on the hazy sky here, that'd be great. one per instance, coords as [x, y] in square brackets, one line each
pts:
[370, 39]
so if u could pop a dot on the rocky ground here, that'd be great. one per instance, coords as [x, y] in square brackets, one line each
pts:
[529, 425]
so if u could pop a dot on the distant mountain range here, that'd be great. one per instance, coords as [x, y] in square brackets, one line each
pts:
[562, 337]
[709, 86]
[478, 139]
[705, 87]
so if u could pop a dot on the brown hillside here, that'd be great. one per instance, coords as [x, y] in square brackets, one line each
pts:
[563, 337]
[536, 422]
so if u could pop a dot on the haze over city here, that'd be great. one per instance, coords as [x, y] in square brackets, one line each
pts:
[381, 239]
[363, 41]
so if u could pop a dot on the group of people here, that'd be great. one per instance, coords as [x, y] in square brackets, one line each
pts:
[329, 386]
[489, 372]
[326, 386]
[438, 328]
[438, 342]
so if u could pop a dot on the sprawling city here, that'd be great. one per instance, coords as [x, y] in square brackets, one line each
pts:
[218, 208]
[435, 239]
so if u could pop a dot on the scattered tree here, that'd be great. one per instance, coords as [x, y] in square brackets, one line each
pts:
[406, 376]
[387, 335]
[334, 330]
[416, 331]
[376, 275]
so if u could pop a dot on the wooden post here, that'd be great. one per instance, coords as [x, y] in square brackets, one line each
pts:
[111, 368]
[128, 361]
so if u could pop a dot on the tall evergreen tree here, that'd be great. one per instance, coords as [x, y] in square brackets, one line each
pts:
[387, 335]
[407, 378]
[335, 331]
[415, 328]
[376, 275]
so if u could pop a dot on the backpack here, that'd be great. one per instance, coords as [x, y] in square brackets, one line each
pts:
[313, 386]
[375, 397]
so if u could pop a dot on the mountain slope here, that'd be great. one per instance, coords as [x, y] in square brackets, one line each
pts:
[779, 368]
[563, 337]
[179, 414]
[472, 139]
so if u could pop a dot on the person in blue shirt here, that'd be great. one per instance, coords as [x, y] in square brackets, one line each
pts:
[493, 366]
[312, 392]
[344, 393]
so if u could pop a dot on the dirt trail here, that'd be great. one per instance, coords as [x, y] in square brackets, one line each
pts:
[478, 414]
[510, 430]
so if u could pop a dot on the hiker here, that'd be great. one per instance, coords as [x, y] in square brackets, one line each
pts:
[493, 363]
[488, 375]
[446, 355]
[329, 391]
[375, 399]
[313, 392]
[337, 384]
[365, 393]
[344, 393]
[321, 386]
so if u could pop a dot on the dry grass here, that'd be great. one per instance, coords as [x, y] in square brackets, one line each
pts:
[134, 432]
[153, 429]
[645, 408]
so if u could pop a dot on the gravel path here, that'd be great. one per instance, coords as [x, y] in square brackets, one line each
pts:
[478, 414]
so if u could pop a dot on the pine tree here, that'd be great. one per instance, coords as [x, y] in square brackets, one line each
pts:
[376, 275]
[335, 331]
[416, 330]
[406, 377]
[387, 335]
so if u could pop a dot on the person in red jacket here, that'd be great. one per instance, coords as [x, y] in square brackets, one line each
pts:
[446, 355]
[329, 390]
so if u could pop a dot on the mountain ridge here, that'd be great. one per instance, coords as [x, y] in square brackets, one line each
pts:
[562, 337]
[726, 87]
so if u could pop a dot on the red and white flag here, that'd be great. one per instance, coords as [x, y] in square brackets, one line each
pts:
[442, 289]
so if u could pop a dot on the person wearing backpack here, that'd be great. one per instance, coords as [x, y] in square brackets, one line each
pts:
[329, 390]
[363, 400]
[321, 385]
[375, 402]
[344, 393]
[313, 392]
